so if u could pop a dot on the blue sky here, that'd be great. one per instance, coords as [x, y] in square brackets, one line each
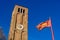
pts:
[39, 11]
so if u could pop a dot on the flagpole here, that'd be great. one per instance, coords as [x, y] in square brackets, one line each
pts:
[52, 33]
[51, 30]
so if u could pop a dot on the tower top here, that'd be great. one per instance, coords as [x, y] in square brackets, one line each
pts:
[20, 6]
[20, 9]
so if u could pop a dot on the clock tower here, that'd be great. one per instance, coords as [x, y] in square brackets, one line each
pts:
[19, 24]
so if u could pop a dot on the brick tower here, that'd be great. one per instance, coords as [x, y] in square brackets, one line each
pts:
[19, 24]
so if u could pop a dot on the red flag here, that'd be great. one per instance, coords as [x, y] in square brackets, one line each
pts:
[44, 24]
